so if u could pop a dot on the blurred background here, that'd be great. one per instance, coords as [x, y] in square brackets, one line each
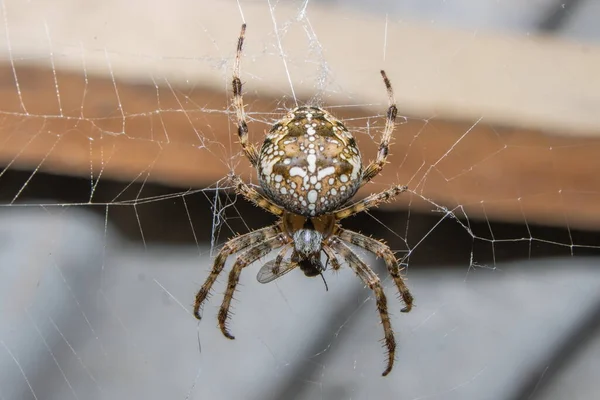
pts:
[116, 133]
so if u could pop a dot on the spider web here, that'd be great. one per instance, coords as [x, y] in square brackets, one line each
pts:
[114, 150]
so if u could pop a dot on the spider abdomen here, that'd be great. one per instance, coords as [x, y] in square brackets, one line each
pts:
[309, 163]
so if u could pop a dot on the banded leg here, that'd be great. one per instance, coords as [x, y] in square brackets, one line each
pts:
[280, 256]
[381, 250]
[238, 103]
[370, 201]
[335, 264]
[376, 166]
[233, 246]
[243, 260]
[254, 196]
[371, 280]
[273, 269]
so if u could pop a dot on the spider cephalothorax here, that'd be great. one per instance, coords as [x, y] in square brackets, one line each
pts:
[309, 166]
[307, 249]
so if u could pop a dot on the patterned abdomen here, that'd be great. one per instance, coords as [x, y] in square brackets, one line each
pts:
[309, 163]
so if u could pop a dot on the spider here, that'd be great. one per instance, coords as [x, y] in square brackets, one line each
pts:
[309, 167]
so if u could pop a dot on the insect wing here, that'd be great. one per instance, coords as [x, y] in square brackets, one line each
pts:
[266, 274]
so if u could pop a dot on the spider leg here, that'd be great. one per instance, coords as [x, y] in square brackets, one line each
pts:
[368, 202]
[280, 256]
[371, 280]
[254, 196]
[272, 270]
[234, 245]
[376, 166]
[243, 260]
[381, 250]
[332, 258]
[238, 103]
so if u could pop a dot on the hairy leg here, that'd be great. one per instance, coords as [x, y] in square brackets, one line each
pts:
[254, 196]
[381, 250]
[234, 245]
[376, 166]
[371, 280]
[332, 258]
[368, 202]
[243, 260]
[273, 269]
[238, 103]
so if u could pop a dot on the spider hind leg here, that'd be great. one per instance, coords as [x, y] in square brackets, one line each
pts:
[376, 166]
[238, 103]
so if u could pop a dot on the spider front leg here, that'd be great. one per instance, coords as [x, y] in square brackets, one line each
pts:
[376, 166]
[371, 280]
[238, 103]
[279, 259]
[368, 202]
[383, 251]
[232, 246]
[243, 260]
[332, 258]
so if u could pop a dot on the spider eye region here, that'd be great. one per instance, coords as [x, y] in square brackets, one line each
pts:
[309, 163]
[307, 242]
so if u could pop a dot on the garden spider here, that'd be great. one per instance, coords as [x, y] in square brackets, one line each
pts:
[309, 167]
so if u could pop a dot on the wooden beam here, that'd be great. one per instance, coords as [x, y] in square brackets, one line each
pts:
[174, 136]
[123, 94]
